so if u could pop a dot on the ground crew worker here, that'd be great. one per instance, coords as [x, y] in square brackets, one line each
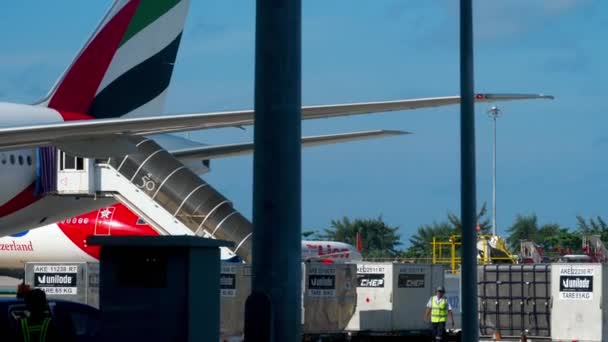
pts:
[37, 326]
[438, 308]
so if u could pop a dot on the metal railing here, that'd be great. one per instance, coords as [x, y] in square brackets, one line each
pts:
[445, 252]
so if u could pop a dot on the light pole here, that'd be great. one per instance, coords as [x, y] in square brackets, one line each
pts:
[468, 198]
[494, 112]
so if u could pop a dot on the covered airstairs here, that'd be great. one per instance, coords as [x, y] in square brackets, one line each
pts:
[159, 188]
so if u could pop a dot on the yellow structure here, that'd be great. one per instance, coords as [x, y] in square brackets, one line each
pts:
[491, 249]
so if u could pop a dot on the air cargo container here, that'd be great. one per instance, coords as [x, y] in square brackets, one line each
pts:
[73, 281]
[235, 287]
[579, 304]
[392, 298]
[514, 300]
[329, 298]
[453, 292]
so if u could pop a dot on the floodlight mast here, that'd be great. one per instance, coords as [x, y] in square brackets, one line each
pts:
[494, 112]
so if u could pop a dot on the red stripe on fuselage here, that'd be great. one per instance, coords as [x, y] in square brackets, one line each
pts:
[77, 89]
[22, 200]
[122, 223]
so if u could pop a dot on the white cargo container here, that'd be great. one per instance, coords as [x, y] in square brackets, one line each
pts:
[235, 287]
[329, 297]
[452, 291]
[578, 302]
[73, 281]
[392, 298]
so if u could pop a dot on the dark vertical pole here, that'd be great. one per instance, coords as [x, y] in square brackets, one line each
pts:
[470, 320]
[276, 270]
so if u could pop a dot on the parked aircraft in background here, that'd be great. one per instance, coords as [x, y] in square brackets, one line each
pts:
[65, 241]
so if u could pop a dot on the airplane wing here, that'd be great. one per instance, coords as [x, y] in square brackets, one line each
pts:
[231, 150]
[69, 133]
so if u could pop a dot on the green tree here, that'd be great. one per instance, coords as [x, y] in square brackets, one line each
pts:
[524, 228]
[562, 238]
[482, 221]
[421, 241]
[550, 236]
[593, 226]
[378, 239]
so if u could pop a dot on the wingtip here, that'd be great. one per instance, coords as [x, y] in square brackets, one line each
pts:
[512, 96]
[394, 132]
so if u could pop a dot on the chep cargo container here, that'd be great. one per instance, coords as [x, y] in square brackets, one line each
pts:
[579, 302]
[73, 281]
[514, 299]
[392, 297]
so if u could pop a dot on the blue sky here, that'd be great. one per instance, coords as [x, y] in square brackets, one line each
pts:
[551, 154]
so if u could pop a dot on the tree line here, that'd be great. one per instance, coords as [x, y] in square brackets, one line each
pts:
[381, 240]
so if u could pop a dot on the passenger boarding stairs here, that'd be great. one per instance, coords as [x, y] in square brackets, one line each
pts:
[594, 247]
[159, 188]
[530, 253]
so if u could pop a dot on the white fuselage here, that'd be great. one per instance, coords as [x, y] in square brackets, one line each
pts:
[65, 242]
[19, 208]
[45, 244]
[338, 252]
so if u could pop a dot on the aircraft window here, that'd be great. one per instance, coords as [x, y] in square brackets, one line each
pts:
[20, 160]
[3, 158]
[140, 221]
[12, 158]
[29, 160]
[69, 162]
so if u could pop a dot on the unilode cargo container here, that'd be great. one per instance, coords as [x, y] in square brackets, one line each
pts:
[73, 281]
[392, 298]
[329, 297]
[514, 299]
[579, 302]
[235, 287]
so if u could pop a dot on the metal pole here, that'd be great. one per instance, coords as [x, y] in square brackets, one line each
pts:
[276, 269]
[494, 113]
[470, 319]
[494, 183]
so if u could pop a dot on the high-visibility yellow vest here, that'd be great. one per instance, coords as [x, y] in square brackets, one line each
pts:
[439, 310]
[34, 333]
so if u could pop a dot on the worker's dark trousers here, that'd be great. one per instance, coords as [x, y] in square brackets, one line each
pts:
[438, 331]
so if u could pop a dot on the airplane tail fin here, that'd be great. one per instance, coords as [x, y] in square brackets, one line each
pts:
[126, 65]
[359, 242]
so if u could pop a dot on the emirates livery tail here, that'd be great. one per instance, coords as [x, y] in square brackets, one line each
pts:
[125, 67]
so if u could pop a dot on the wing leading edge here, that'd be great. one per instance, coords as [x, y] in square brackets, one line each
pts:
[75, 132]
